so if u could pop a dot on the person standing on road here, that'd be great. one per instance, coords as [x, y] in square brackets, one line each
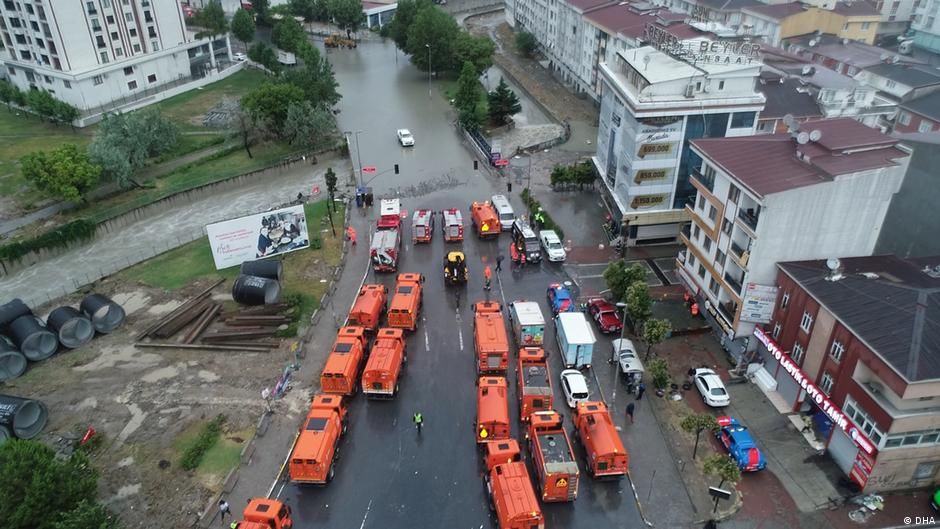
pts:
[487, 276]
[224, 509]
[640, 390]
[630, 409]
[419, 420]
[499, 263]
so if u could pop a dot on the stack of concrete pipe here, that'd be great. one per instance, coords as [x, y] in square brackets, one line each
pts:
[259, 283]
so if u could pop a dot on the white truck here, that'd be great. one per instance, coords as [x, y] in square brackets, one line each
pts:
[575, 339]
[528, 324]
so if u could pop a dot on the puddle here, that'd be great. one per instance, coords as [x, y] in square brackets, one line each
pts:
[208, 376]
[162, 373]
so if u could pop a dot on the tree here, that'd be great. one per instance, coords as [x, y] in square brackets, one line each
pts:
[618, 275]
[65, 172]
[37, 488]
[330, 178]
[347, 14]
[659, 370]
[467, 99]
[212, 20]
[477, 50]
[526, 43]
[42, 103]
[113, 160]
[639, 303]
[269, 103]
[249, 129]
[308, 126]
[66, 113]
[288, 35]
[124, 142]
[405, 14]
[316, 79]
[655, 332]
[87, 515]
[263, 54]
[698, 423]
[303, 8]
[436, 28]
[723, 466]
[262, 11]
[243, 26]
[503, 103]
[8, 94]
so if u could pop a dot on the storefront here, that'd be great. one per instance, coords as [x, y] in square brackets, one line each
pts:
[848, 446]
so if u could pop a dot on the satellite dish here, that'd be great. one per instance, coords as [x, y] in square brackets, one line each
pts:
[833, 263]
[813, 42]
[802, 138]
[815, 135]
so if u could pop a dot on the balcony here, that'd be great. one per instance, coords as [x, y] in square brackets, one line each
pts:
[735, 284]
[707, 183]
[750, 217]
[728, 310]
[740, 254]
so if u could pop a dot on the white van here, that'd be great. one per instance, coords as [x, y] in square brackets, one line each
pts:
[504, 211]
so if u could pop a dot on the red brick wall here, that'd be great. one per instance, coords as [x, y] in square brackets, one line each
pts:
[914, 125]
[789, 318]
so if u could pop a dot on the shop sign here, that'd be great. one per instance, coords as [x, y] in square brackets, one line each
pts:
[861, 469]
[707, 51]
[654, 137]
[650, 175]
[659, 124]
[758, 304]
[654, 148]
[719, 318]
[648, 201]
[816, 395]
[615, 119]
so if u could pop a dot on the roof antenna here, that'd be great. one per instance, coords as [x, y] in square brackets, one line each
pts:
[835, 269]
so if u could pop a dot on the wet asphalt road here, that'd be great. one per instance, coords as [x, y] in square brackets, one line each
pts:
[388, 476]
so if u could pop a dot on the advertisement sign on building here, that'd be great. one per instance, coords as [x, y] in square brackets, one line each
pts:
[658, 123]
[647, 149]
[652, 175]
[648, 201]
[758, 304]
[258, 236]
[861, 470]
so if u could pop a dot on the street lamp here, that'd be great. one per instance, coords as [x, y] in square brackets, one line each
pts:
[616, 360]
[346, 133]
[428, 46]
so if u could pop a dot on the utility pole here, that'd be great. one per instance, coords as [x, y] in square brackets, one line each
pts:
[428, 46]
[358, 172]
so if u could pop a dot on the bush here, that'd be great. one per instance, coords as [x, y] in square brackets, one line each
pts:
[533, 206]
[581, 174]
[77, 230]
[659, 370]
[526, 43]
[206, 440]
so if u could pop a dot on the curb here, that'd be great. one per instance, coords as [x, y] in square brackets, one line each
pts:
[636, 497]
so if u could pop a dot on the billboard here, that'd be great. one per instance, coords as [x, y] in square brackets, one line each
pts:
[758, 304]
[258, 236]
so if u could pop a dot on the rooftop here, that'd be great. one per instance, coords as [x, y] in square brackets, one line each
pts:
[850, 52]
[890, 303]
[819, 76]
[778, 11]
[622, 18]
[927, 106]
[586, 5]
[775, 163]
[786, 98]
[913, 75]
[857, 8]
[658, 67]
[728, 5]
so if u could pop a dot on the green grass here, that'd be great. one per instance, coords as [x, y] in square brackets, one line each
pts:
[187, 108]
[225, 454]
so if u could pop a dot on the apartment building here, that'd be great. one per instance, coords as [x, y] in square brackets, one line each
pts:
[856, 21]
[853, 344]
[654, 102]
[899, 81]
[538, 17]
[896, 15]
[823, 190]
[925, 22]
[101, 55]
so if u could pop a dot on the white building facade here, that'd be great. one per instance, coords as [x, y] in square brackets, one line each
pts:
[653, 104]
[102, 54]
[926, 25]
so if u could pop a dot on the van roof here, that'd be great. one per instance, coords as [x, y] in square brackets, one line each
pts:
[500, 201]
[528, 313]
[493, 400]
[517, 495]
[577, 329]
[491, 332]
[382, 356]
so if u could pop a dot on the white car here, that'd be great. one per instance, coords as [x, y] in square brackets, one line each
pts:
[552, 246]
[623, 353]
[405, 138]
[711, 388]
[240, 57]
[574, 386]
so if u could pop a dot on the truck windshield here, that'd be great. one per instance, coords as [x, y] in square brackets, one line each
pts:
[531, 245]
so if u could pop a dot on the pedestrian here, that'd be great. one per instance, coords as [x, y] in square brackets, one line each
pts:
[224, 509]
[487, 276]
[630, 409]
[640, 390]
[419, 420]
[499, 263]
[351, 234]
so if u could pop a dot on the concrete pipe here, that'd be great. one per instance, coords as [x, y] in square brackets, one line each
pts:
[105, 314]
[24, 417]
[269, 268]
[253, 290]
[11, 311]
[12, 361]
[33, 339]
[73, 328]
[5, 434]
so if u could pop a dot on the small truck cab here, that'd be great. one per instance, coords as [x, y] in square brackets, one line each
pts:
[367, 311]
[389, 214]
[340, 375]
[500, 451]
[605, 456]
[406, 302]
[422, 226]
[382, 374]
[452, 224]
[484, 219]
[314, 454]
[489, 338]
[492, 409]
[262, 513]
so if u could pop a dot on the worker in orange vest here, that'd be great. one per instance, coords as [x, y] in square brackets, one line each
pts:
[487, 276]
[695, 309]
[351, 234]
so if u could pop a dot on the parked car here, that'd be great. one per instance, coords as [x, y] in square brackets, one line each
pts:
[741, 446]
[605, 314]
[552, 246]
[559, 299]
[623, 353]
[935, 501]
[574, 386]
[239, 57]
[711, 388]
[405, 138]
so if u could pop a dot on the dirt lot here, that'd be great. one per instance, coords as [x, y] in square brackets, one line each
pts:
[147, 405]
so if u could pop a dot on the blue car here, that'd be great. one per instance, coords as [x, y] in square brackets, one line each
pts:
[559, 299]
[740, 445]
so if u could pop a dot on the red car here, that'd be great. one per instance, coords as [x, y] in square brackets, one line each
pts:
[606, 315]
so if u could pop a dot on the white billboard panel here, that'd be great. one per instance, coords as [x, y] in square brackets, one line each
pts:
[258, 236]
[758, 304]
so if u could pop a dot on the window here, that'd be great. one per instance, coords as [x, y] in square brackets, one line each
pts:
[701, 202]
[41, 43]
[692, 259]
[100, 40]
[734, 194]
[95, 25]
[806, 322]
[925, 126]
[726, 226]
[720, 257]
[152, 78]
[91, 8]
[713, 286]
[136, 48]
[785, 300]
[106, 4]
[154, 45]
[709, 173]
[797, 353]
[701, 271]
[30, 77]
[712, 213]
[707, 244]
[866, 25]
[97, 80]
[695, 232]
[904, 118]
[721, 85]
[923, 438]
[152, 32]
[741, 120]
[12, 70]
[104, 57]
[118, 52]
[29, 9]
[864, 421]
[894, 6]
[925, 471]
[67, 84]
[776, 331]
[110, 19]
[129, 17]
[47, 79]
[129, 70]
[837, 350]
[132, 32]
[132, 85]
[114, 35]
[826, 383]
[890, 84]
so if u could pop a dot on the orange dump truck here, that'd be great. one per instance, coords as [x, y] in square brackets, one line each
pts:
[492, 409]
[314, 454]
[262, 513]
[512, 497]
[535, 382]
[382, 374]
[552, 457]
[340, 375]
[501, 451]
[368, 308]
[485, 220]
[406, 302]
[604, 452]
[489, 338]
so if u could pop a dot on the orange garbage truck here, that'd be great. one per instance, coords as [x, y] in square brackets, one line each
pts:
[552, 457]
[382, 374]
[512, 497]
[492, 409]
[535, 382]
[340, 375]
[489, 338]
[406, 302]
[500, 451]
[312, 461]
[262, 513]
[484, 219]
[367, 310]
[603, 449]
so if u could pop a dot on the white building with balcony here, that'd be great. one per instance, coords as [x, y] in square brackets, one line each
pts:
[926, 25]
[782, 197]
[101, 55]
[653, 104]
